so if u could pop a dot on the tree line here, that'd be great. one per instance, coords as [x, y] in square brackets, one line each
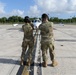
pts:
[18, 19]
[57, 20]
[12, 19]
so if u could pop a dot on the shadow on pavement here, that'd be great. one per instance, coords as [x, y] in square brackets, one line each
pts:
[20, 70]
[15, 29]
[9, 61]
[65, 40]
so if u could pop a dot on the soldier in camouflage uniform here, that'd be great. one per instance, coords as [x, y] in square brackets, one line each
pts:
[28, 41]
[47, 40]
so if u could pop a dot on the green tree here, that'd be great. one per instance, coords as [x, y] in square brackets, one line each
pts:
[13, 19]
[3, 20]
[20, 19]
[74, 19]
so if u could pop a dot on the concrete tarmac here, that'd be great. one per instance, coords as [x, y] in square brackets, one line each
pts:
[10, 49]
[65, 50]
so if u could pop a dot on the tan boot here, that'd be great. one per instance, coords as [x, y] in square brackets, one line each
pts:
[54, 63]
[28, 63]
[22, 62]
[44, 64]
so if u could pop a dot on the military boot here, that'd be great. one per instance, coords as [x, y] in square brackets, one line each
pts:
[21, 62]
[44, 64]
[28, 63]
[54, 63]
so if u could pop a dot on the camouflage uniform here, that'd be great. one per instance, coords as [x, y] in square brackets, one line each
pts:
[28, 41]
[47, 40]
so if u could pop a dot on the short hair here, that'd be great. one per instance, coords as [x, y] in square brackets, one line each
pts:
[27, 19]
[45, 16]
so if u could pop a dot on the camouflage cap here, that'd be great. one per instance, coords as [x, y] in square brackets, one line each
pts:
[27, 19]
[45, 16]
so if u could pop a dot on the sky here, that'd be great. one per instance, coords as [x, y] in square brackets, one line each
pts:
[35, 8]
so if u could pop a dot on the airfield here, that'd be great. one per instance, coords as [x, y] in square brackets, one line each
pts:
[65, 52]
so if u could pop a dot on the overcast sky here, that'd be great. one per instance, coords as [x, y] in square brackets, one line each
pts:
[34, 8]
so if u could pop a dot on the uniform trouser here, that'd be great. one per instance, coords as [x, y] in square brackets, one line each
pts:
[44, 47]
[30, 45]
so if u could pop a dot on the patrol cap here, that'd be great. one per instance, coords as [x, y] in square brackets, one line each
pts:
[45, 16]
[27, 19]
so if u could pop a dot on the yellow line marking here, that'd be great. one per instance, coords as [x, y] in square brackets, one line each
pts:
[25, 71]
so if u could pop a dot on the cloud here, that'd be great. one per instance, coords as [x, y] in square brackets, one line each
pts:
[16, 12]
[43, 6]
[13, 12]
[53, 6]
[71, 6]
[33, 11]
[2, 6]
